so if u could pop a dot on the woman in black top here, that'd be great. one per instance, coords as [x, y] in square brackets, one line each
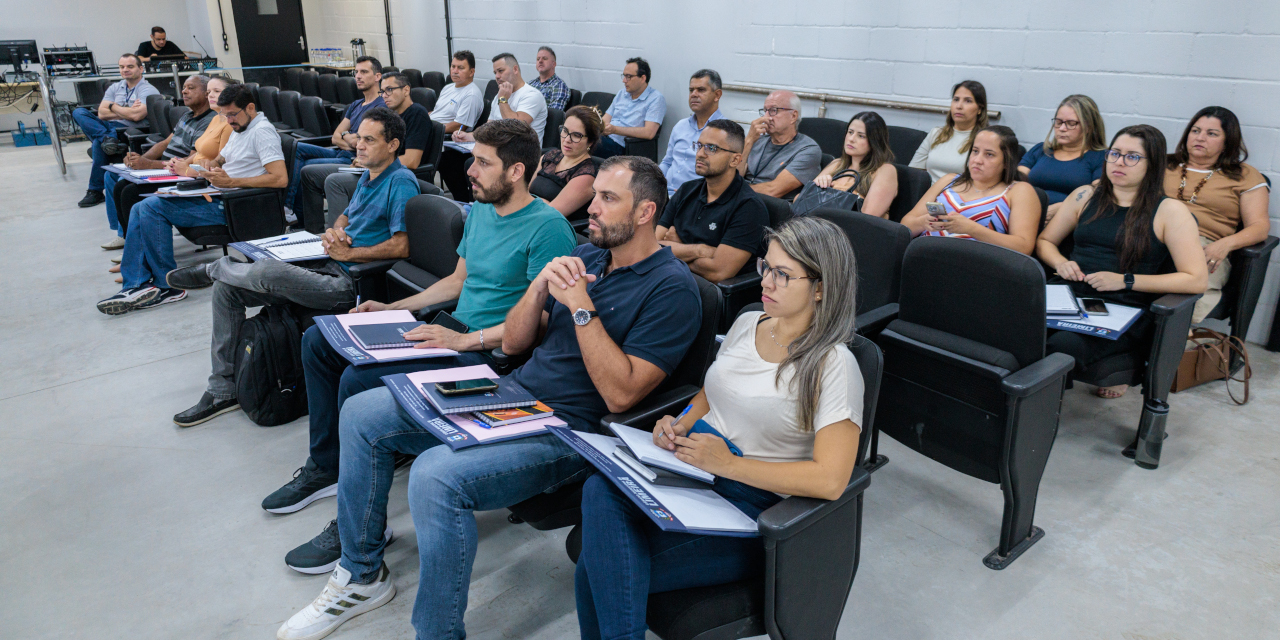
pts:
[1126, 233]
[567, 173]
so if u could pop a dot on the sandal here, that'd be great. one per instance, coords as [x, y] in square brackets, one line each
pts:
[1111, 393]
[114, 269]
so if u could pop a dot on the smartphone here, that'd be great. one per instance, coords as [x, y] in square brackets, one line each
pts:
[467, 387]
[1094, 306]
[935, 209]
[196, 167]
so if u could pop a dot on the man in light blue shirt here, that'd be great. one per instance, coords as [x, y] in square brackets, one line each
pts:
[704, 102]
[637, 111]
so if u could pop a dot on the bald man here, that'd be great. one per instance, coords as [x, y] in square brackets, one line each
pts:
[788, 159]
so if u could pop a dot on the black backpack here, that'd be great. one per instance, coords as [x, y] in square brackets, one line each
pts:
[269, 381]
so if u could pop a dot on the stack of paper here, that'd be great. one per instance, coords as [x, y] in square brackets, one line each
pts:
[1060, 302]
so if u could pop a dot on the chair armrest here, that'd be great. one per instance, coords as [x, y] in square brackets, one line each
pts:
[1038, 375]
[370, 269]
[428, 313]
[740, 282]
[1259, 250]
[795, 514]
[1173, 319]
[648, 412]
[642, 147]
[875, 320]
[305, 136]
[1172, 303]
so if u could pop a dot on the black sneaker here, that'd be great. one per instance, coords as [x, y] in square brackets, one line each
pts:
[92, 198]
[321, 553]
[127, 300]
[309, 483]
[207, 409]
[166, 296]
[114, 147]
[193, 277]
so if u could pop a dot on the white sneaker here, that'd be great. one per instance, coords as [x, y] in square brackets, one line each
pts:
[340, 601]
[116, 243]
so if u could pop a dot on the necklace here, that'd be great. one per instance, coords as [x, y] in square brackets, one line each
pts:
[1196, 192]
[774, 337]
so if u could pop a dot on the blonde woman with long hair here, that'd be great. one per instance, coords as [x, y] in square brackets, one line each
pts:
[1072, 155]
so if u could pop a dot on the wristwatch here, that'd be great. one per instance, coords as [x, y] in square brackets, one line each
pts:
[502, 100]
[581, 317]
[1128, 282]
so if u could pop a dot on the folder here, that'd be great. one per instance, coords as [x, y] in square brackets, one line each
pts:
[337, 330]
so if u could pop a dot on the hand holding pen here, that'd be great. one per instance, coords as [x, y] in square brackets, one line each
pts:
[668, 428]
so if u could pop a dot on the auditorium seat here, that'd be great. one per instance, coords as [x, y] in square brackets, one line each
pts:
[327, 85]
[309, 83]
[434, 225]
[414, 76]
[251, 213]
[904, 141]
[575, 99]
[551, 135]
[827, 132]
[315, 122]
[598, 99]
[435, 81]
[967, 382]
[423, 96]
[912, 185]
[490, 92]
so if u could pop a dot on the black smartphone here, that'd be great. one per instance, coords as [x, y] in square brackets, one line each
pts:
[449, 322]
[1094, 306]
[935, 209]
[467, 387]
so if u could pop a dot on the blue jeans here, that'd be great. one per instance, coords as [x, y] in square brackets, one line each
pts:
[110, 186]
[148, 247]
[332, 379]
[306, 154]
[445, 487]
[97, 129]
[607, 148]
[625, 557]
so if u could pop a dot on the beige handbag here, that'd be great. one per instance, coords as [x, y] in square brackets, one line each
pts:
[1210, 359]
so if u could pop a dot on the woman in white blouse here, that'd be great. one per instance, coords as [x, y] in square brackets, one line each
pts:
[945, 149]
[785, 390]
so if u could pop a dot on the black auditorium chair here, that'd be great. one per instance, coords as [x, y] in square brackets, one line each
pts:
[1044, 206]
[347, 93]
[912, 185]
[551, 134]
[878, 247]
[390, 69]
[548, 190]
[575, 99]
[827, 132]
[270, 106]
[904, 141]
[287, 102]
[431, 154]
[327, 85]
[316, 128]
[744, 288]
[423, 96]
[434, 224]
[435, 81]
[176, 113]
[414, 76]
[291, 80]
[157, 126]
[309, 83]
[251, 213]
[1243, 288]
[254, 90]
[563, 507]
[967, 382]
[490, 91]
[598, 99]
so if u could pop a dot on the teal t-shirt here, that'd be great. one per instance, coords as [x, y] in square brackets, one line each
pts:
[504, 254]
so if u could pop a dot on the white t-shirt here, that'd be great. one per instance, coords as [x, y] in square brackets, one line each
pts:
[460, 105]
[761, 418]
[944, 158]
[248, 152]
[528, 100]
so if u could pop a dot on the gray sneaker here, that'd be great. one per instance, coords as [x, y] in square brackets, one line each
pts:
[309, 483]
[321, 553]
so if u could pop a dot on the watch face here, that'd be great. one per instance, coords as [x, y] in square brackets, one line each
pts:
[581, 317]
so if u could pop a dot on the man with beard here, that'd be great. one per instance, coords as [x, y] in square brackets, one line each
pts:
[715, 224]
[372, 228]
[508, 238]
[618, 315]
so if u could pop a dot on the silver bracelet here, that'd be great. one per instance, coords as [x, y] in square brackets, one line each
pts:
[482, 339]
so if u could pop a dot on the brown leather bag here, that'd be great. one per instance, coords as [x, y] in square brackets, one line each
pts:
[1210, 359]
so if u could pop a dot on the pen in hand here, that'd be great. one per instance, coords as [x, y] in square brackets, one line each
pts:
[686, 411]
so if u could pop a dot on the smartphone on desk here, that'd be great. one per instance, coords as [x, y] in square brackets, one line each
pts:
[471, 387]
[1094, 306]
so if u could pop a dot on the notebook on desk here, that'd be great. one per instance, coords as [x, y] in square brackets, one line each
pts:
[385, 336]
[295, 246]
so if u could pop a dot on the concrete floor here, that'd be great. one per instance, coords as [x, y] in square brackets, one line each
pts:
[117, 524]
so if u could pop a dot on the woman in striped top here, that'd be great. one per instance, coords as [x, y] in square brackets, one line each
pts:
[986, 202]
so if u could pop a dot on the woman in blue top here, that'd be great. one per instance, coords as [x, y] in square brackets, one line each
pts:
[1072, 156]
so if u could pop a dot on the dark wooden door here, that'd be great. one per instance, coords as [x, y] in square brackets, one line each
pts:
[270, 32]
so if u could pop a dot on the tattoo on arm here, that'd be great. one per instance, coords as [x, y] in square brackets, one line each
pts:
[1080, 196]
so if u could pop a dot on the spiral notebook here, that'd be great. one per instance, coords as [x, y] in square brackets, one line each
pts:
[384, 336]
[295, 246]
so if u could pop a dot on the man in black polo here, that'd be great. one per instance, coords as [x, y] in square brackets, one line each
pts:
[715, 224]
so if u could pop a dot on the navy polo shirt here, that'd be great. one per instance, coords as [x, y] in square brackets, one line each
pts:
[651, 309]
[737, 218]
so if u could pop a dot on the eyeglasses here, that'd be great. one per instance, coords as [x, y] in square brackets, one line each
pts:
[386, 91]
[232, 115]
[1069, 124]
[779, 278]
[773, 111]
[711, 149]
[1130, 159]
[628, 77]
[573, 136]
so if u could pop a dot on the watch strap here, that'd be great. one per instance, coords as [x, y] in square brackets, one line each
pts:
[1128, 282]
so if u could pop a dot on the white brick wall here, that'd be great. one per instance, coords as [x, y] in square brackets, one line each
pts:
[1151, 61]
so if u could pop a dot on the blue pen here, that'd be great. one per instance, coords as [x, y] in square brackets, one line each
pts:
[673, 422]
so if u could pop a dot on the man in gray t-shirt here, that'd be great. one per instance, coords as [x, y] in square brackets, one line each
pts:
[124, 105]
[780, 160]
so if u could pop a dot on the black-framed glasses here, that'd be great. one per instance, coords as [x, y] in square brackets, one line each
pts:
[386, 91]
[780, 278]
[573, 136]
[1130, 159]
[628, 77]
[711, 149]
[232, 115]
[773, 111]
[1069, 124]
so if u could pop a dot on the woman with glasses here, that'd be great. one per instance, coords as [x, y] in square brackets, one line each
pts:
[1071, 156]
[785, 390]
[945, 149]
[1131, 245]
[1207, 172]
[986, 202]
[867, 164]
[568, 172]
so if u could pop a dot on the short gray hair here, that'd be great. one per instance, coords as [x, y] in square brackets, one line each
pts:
[712, 77]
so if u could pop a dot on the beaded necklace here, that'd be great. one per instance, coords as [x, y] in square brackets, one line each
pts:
[1183, 185]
